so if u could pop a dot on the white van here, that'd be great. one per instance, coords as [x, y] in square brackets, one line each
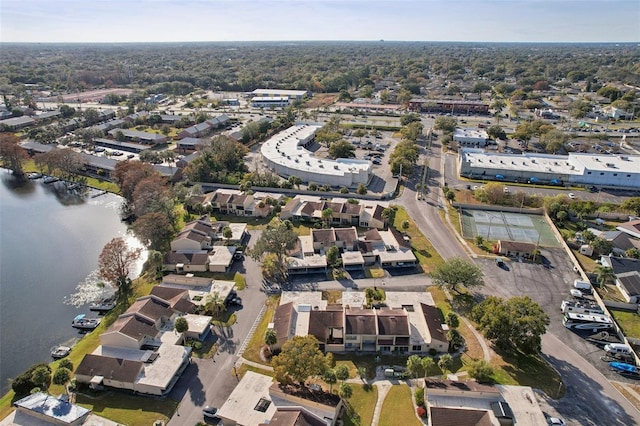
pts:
[583, 286]
[617, 349]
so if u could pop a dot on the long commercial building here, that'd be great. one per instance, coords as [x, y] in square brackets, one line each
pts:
[286, 153]
[622, 171]
[276, 93]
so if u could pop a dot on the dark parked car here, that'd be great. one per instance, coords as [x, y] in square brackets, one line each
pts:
[235, 301]
[209, 412]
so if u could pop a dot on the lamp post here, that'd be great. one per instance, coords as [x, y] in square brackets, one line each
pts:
[489, 231]
[235, 373]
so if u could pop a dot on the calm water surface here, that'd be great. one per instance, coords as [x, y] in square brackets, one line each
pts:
[48, 244]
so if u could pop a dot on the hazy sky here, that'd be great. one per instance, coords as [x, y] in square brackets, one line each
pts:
[240, 20]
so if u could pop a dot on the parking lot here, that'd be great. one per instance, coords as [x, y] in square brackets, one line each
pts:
[548, 285]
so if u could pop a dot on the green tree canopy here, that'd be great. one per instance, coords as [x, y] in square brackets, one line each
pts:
[299, 359]
[457, 271]
[632, 205]
[496, 132]
[276, 240]
[342, 149]
[181, 325]
[480, 370]
[515, 324]
[447, 124]
[61, 376]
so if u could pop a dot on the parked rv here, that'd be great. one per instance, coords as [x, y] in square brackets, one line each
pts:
[580, 307]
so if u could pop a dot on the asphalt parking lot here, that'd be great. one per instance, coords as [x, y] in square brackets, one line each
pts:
[548, 286]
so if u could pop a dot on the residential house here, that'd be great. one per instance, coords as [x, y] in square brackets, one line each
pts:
[16, 123]
[198, 289]
[141, 115]
[258, 401]
[191, 239]
[138, 136]
[140, 351]
[387, 248]
[410, 323]
[43, 409]
[468, 403]
[627, 273]
[363, 213]
[621, 241]
[631, 228]
[191, 144]
[186, 262]
[205, 128]
[629, 285]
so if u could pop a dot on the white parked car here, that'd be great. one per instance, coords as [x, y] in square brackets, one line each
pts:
[556, 421]
[572, 195]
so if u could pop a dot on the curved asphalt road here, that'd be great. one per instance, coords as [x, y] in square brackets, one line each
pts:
[590, 398]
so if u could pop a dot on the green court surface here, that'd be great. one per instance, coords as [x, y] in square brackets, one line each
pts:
[507, 226]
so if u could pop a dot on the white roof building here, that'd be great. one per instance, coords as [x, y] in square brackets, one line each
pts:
[585, 169]
[290, 94]
[470, 137]
[287, 155]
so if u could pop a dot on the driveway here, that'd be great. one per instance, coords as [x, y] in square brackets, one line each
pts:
[210, 381]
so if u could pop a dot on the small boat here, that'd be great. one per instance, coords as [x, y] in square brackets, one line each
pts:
[83, 323]
[623, 367]
[103, 306]
[60, 352]
[50, 179]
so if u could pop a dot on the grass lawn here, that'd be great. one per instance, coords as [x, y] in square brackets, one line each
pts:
[332, 296]
[422, 248]
[629, 321]
[363, 402]
[587, 263]
[128, 409]
[474, 350]
[396, 408]
[252, 352]
[104, 185]
[374, 272]
[245, 367]
[509, 369]
[527, 370]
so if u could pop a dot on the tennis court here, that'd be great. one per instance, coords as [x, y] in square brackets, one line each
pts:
[507, 226]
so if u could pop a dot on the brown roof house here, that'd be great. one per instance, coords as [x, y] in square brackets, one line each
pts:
[141, 351]
[516, 249]
[410, 323]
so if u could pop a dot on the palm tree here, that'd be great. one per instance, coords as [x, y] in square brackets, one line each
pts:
[414, 364]
[330, 378]
[455, 339]
[346, 391]
[427, 364]
[327, 214]
[604, 275]
[215, 304]
[270, 338]
[445, 363]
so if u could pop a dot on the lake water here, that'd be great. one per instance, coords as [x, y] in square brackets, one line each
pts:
[48, 244]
